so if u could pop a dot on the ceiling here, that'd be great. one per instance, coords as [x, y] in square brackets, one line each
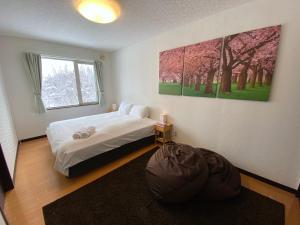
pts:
[58, 21]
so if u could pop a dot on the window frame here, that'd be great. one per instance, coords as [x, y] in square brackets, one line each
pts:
[77, 79]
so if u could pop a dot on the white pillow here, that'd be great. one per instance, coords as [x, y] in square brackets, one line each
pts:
[140, 111]
[124, 108]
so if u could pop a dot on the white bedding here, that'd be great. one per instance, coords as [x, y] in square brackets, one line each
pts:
[112, 130]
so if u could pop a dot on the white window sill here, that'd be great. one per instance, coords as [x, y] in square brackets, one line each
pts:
[72, 106]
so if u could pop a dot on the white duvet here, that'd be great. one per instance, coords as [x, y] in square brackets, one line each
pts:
[112, 130]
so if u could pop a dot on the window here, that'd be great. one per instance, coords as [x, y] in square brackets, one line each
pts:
[88, 83]
[67, 83]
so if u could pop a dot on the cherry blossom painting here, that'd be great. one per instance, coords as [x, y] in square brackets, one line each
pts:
[239, 66]
[171, 71]
[201, 68]
[248, 63]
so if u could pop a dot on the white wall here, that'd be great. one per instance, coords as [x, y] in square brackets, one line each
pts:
[8, 137]
[28, 122]
[2, 222]
[261, 137]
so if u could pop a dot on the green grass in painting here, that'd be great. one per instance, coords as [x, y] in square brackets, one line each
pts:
[170, 88]
[190, 91]
[257, 93]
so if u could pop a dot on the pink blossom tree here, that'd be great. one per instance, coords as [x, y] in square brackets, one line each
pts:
[254, 50]
[171, 65]
[201, 63]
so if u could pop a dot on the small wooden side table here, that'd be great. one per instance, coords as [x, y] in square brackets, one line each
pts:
[111, 110]
[163, 133]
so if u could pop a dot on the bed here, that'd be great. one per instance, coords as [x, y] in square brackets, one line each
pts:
[116, 133]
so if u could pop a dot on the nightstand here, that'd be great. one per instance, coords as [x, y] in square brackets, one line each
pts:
[111, 110]
[163, 133]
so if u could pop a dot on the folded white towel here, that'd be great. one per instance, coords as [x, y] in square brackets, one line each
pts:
[84, 133]
[76, 135]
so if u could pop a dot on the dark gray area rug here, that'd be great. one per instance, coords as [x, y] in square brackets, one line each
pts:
[122, 198]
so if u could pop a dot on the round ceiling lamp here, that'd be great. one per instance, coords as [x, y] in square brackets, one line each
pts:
[99, 11]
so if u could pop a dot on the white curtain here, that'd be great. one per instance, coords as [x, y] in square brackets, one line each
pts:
[99, 76]
[33, 70]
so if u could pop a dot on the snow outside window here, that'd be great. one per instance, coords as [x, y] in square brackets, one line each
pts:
[67, 83]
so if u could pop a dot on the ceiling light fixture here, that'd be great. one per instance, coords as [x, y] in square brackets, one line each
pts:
[99, 11]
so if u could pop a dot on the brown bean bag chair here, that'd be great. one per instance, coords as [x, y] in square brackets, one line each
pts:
[224, 179]
[176, 173]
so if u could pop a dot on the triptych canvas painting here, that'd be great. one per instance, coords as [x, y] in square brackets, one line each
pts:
[239, 66]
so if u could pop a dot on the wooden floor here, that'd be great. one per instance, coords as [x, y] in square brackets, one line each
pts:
[37, 184]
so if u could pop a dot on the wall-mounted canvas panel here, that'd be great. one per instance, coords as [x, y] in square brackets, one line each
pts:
[248, 63]
[201, 67]
[170, 71]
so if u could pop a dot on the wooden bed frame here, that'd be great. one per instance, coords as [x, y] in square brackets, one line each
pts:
[109, 156]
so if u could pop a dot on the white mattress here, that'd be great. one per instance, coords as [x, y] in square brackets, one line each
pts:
[112, 130]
